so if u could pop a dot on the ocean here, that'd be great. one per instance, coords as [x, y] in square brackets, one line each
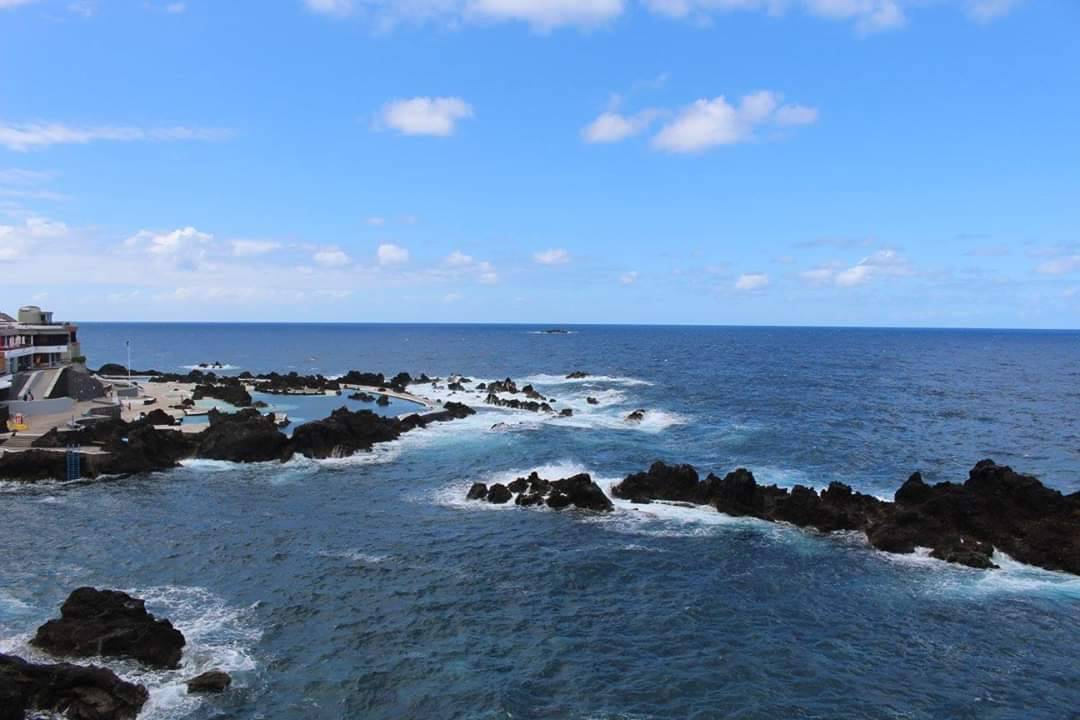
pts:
[370, 588]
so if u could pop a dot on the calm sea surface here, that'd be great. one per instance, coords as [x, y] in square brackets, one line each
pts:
[368, 588]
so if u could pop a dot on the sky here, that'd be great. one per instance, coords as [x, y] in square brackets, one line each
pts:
[748, 162]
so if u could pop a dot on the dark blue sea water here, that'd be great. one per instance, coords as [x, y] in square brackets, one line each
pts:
[368, 588]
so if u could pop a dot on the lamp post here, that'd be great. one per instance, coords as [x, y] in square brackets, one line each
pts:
[128, 343]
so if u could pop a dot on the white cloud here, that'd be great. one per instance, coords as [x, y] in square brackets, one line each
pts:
[390, 254]
[252, 248]
[425, 115]
[183, 248]
[13, 244]
[752, 281]
[175, 8]
[1061, 265]
[9, 4]
[554, 256]
[29, 136]
[629, 278]
[868, 15]
[710, 123]
[542, 15]
[18, 176]
[458, 259]
[451, 298]
[547, 14]
[794, 115]
[819, 275]
[612, 126]
[376, 221]
[881, 263]
[331, 257]
[987, 10]
[330, 7]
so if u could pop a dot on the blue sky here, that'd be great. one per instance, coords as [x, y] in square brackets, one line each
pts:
[811, 162]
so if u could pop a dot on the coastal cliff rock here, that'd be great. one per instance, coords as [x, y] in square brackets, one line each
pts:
[229, 390]
[247, 436]
[995, 508]
[578, 490]
[78, 693]
[110, 623]
[343, 433]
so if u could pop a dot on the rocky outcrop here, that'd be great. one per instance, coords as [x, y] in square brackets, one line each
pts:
[636, 416]
[117, 370]
[229, 390]
[77, 693]
[159, 417]
[110, 623]
[995, 508]
[577, 375]
[503, 386]
[247, 436]
[515, 404]
[579, 491]
[344, 433]
[362, 397]
[211, 681]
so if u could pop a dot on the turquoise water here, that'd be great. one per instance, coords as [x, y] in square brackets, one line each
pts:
[369, 588]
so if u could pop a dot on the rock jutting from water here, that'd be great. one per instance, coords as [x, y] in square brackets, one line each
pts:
[579, 491]
[73, 691]
[995, 509]
[110, 623]
[960, 523]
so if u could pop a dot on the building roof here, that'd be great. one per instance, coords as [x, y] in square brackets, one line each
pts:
[4, 317]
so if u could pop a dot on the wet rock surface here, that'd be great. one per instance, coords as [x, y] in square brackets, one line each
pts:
[76, 692]
[110, 623]
[578, 490]
[960, 523]
[212, 681]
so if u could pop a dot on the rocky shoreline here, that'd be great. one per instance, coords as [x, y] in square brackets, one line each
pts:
[95, 624]
[996, 508]
[123, 448]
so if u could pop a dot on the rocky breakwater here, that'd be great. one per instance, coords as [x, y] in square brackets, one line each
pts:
[246, 436]
[579, 491]
[963, 523]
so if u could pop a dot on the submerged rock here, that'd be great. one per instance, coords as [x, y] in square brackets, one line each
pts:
[212, 681]
[110, 623]
[478, 491]
[636, 416]
[577, 375]
[76, 692]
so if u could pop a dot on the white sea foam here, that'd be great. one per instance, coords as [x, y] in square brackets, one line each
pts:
[547, 379]
[356, 556]
[1012, 577]
[610, 413]
[218, 636]
[211, 368]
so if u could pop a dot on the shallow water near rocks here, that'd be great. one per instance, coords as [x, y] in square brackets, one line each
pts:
[368, 587]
